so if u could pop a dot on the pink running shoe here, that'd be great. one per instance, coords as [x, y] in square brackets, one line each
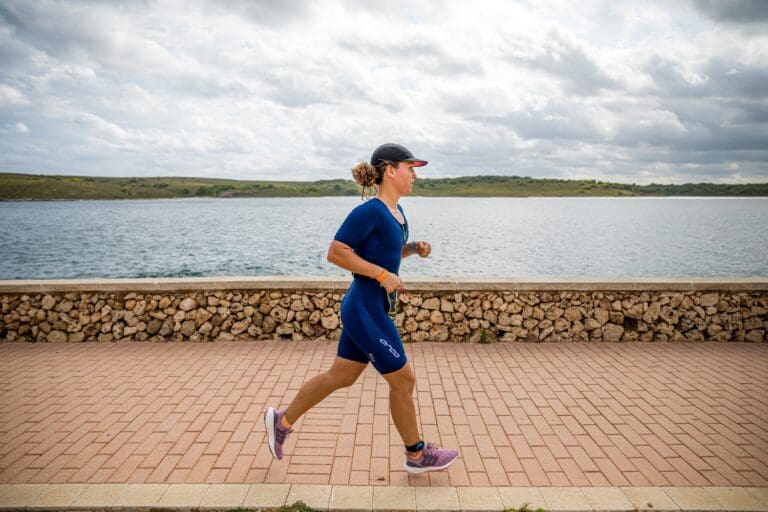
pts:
[432, 458]
[276, 433]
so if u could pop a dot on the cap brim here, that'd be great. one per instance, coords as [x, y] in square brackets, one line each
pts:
[416, 162]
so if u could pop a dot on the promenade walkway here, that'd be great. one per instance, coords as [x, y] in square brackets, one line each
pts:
[629, 418]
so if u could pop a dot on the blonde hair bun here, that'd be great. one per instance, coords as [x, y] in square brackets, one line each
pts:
[364, 174]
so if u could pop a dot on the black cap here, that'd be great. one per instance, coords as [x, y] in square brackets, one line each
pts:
[395, 153]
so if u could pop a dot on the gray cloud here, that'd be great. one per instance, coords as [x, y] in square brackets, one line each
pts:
[411, 56]
[263, 90]
[14, 54]
[704, 137]
[722, 126]
[734, 11]
[58, 29]
[548, 124]
[569, 64]
[264, 12]
[716, 78]
[720, 107]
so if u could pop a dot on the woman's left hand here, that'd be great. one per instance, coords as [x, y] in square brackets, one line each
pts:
[423, 249]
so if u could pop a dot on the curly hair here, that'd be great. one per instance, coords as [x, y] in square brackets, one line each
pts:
[366, 175]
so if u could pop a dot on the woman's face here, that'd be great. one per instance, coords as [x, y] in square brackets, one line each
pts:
[403, 177]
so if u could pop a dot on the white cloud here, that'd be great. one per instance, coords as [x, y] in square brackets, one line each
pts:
[10, 96]
[261, 90]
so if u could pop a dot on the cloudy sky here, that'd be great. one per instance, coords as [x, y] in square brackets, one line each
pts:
[626, 91]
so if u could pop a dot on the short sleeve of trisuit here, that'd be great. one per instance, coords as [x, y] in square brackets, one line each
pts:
[358, 225]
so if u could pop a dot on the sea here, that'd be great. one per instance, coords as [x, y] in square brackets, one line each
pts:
[560, 237]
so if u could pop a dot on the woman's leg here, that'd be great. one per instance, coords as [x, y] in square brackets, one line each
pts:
[342, 373]
[401, 405]
[428, 457]
[376, 338]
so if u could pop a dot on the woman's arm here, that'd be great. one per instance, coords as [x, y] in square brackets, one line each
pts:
[423, 249]
[409, 249]
[342, 255]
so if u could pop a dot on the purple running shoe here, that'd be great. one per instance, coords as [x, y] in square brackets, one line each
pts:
[276, 433]
[432, 458]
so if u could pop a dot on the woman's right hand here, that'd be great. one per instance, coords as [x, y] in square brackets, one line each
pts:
[392, 282]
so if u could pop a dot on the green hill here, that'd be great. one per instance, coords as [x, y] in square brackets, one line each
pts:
[14, 186]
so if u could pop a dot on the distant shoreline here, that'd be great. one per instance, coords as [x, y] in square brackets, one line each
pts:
[36, 187]
[126, 199]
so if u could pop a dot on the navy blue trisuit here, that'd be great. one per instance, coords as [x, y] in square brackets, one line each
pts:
[368, 332]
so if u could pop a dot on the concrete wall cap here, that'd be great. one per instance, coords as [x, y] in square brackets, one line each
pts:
[732, 284]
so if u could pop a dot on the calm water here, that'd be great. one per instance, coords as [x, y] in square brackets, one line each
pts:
[488, 237]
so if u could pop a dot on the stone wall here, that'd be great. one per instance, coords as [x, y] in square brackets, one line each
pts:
[454, 311]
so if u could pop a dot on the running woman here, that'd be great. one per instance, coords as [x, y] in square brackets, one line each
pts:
[371, 243]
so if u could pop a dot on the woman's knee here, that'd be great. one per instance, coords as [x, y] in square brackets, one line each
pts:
[402, 380]
[344, 380]
[343, 375]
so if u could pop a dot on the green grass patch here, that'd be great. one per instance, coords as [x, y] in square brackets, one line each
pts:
[299, 506]
[524, 508]
[15, 186]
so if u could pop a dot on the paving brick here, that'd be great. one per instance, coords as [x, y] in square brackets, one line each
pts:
[564, 435]
[125, 470]
[755, 478]
[558, 479]
[692, 475]
[88, 470]
[472, 460]
[583, 460]
[476, 479]
[611, 472]
[162, 470]
[458, 474]
[191, 455]
[597, 479]
[521, 447]
[532, 436]
[227, 455]
[534, 472]
[700, 428]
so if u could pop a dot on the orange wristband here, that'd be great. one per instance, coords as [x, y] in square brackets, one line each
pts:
[381, 276]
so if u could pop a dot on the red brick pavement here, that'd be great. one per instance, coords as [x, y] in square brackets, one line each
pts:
[556, 414]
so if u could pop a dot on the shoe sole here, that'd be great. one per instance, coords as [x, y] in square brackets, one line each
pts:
[416, 471]
[269, 422]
